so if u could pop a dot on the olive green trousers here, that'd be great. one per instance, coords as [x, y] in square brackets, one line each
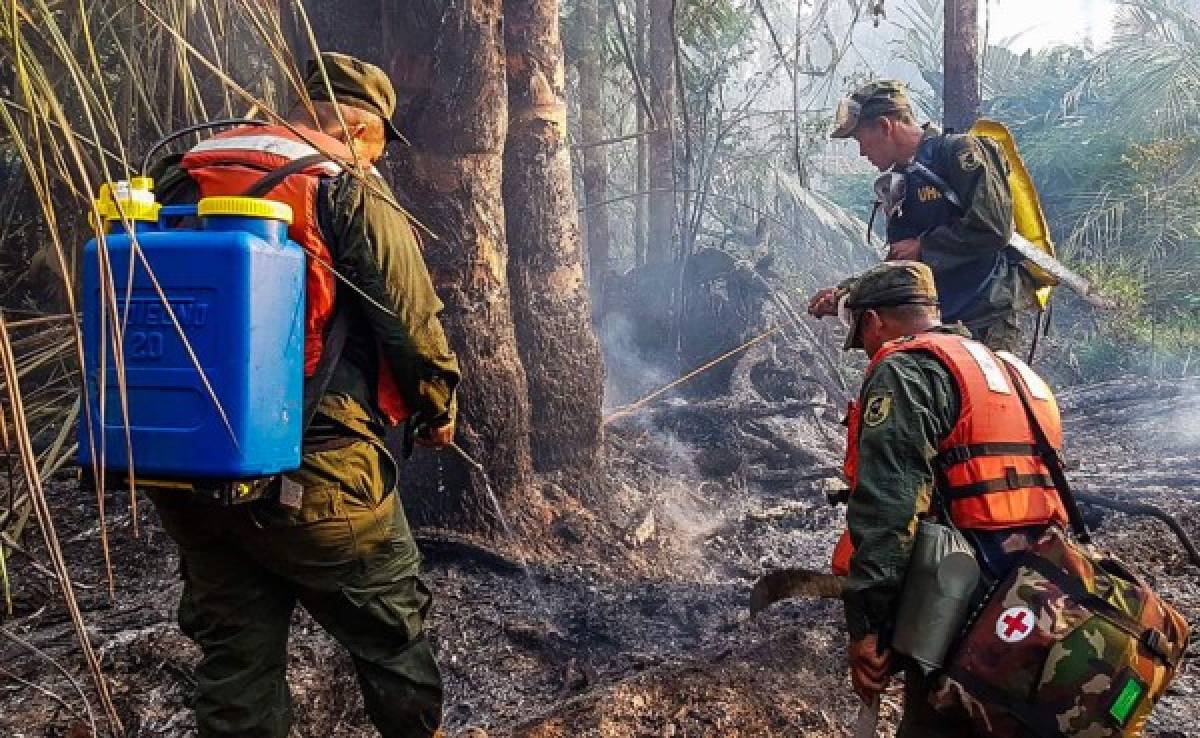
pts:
[346, 555]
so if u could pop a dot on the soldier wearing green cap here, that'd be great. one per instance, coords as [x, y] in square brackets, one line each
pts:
[332, 535]
[908, 407]
[947, 202]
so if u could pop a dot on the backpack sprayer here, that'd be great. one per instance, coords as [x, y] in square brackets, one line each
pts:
[210, 321]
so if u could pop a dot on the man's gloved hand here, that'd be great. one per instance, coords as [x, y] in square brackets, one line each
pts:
[825, 302]
[439, 437]
[870, 670]
[907, 250]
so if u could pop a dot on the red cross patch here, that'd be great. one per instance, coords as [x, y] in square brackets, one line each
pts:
[1015, 624]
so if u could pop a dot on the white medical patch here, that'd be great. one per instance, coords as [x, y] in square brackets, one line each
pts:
[1015, 624]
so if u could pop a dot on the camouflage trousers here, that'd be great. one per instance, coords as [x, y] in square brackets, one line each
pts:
[1001, 334]
[346, 555]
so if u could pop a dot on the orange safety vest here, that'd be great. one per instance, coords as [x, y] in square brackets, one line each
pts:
[232, 162]
[989, 470]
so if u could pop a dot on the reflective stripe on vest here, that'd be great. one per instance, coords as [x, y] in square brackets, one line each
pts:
[272, 145]
[232, 162]
[990, 471]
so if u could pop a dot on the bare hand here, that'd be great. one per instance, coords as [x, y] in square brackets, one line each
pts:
[435, 437]
[870, 670]
[825, 302]
[907, 250]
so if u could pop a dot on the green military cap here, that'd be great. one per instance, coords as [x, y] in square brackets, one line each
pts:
[867, 102]
[355, 83]
[887, 285]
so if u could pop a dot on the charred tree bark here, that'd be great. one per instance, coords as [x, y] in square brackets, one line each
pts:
[960, 94]
[595, 158]
[350, 26]
[449, 71]
[550, 300]
[661, 218]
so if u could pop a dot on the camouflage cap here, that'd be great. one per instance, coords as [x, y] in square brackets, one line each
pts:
[354, 83]
[867, 102]
[887, 285]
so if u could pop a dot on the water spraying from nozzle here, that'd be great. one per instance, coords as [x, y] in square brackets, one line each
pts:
[508, 531]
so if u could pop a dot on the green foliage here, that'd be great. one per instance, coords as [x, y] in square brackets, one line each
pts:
[853, 192]
[1112, 140]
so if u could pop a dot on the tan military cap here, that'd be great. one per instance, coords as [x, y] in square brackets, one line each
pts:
[355, 83]
[887, 285]
[867, 102]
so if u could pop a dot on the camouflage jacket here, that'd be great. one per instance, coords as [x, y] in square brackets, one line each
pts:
[964, 246]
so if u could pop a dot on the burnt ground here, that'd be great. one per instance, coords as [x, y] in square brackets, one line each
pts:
[637, 625]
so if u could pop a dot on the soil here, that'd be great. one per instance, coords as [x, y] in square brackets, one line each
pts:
[632, 619]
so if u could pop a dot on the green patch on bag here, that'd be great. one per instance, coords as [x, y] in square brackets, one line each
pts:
[1127, 700]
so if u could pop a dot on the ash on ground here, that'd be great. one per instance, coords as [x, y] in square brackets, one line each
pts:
[633, 621]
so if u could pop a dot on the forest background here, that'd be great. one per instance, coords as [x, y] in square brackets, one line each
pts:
[689, 126]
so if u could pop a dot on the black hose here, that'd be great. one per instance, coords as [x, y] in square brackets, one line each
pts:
[1037, 330]
[192, 129]
[1142, 508]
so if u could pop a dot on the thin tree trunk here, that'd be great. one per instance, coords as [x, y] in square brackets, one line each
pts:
[643, 182]
[960, 96]
[595, 158]
[454, 112]
[550, 300]
[661, 62]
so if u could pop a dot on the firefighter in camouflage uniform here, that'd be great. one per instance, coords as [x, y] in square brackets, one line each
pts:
[948, 203]
[341, 546]
[935, 431]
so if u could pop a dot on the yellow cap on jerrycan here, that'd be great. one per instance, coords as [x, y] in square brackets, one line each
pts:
[244, 207]
[131, 200]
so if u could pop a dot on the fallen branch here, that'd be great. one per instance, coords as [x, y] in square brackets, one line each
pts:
[1142, 508]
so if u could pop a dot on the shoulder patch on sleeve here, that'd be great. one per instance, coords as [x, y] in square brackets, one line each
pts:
[877, 408]
[969, 159]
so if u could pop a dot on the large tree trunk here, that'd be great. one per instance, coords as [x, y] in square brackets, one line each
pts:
[550, 300]
[349, 26]
[448, 64]
[960, 96]
[662, 215]
[595, 158]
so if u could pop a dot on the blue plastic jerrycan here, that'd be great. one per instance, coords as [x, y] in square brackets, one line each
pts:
[211, 320]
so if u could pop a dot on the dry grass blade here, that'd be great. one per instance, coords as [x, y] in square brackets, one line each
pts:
[46, 522]
[87, 706]
[39, 178]
[8, 604]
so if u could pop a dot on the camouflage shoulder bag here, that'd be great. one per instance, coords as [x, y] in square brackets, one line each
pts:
[1071, 643]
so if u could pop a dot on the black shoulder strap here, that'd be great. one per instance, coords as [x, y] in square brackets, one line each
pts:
[335, 332]
[272, 178]
[331, 351]
[1051, 458]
